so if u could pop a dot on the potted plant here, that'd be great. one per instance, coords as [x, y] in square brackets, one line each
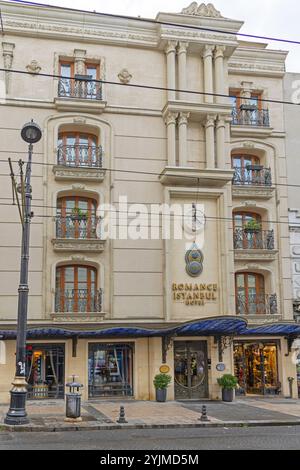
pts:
[228, 383]
[252, 226]
[161, 383]
[78, 214]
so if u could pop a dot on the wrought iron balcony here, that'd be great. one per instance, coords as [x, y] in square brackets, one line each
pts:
[80, 156]
[253, 240]
[250, 117]
[80, 227]
[256, 304]
[81, 87]
[78, 300]
[252, 175]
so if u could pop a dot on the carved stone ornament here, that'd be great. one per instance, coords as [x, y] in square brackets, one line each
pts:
[33, 67]
[202, 10]
[124, 76]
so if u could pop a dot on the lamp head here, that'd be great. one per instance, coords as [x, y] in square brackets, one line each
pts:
[31, 133]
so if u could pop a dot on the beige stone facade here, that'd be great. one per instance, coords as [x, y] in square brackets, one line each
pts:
[158, 147]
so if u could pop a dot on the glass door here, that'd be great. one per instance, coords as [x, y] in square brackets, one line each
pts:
[191, 381]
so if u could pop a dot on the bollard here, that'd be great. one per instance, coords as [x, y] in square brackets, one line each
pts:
[122, 419]
[204, 414]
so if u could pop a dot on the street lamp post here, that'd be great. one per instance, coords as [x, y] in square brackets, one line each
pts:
[16, 415]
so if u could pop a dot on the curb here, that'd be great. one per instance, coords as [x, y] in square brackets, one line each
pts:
[223, 424]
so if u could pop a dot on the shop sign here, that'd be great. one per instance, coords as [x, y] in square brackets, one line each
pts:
[164, 369]
[194, 294]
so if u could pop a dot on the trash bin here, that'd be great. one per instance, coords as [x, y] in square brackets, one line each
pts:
[73, 399]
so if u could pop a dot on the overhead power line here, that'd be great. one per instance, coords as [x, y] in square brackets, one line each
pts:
[163, 23]
[139, 172]
[149, 87]
[137, 213]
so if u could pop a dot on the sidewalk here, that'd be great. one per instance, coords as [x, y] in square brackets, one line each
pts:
[103, 414]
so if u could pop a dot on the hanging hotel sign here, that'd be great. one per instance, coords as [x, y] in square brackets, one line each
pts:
[194, 294]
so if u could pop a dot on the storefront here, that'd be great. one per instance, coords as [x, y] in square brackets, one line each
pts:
[110, 369]
[45, 364]
[123, 361]
[256, 367]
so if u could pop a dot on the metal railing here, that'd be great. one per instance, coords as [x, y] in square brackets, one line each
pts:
[250, 117]
[244, 239]
[78, 300]
[77, 227]
[256, 304]
[80, 155]
[254, 175]
[83, 88]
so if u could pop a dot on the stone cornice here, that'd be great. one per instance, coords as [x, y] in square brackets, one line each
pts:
[253, 61]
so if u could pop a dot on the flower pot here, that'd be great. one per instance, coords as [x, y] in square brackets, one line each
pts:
[227, 394]
[161, 394]
[251, 230]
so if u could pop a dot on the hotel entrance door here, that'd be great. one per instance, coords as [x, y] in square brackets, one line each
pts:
[190, 366]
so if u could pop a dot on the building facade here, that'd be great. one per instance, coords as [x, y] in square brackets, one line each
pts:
[116, 310]
[291, 95]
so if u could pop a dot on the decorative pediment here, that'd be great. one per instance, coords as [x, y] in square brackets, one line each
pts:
[202, 10]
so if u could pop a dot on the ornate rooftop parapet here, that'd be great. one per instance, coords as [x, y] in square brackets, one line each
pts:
[202, 10]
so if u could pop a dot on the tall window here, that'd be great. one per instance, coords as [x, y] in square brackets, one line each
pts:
[247, 230]
[76, 289]
[79, 149]
[249, 171]
[70, 86]
[76, 217]
[250, 293]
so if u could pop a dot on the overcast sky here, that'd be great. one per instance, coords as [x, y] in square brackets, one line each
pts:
[272, 18]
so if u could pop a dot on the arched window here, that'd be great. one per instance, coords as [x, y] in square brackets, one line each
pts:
[247, 231]
[250, 293]
[76, 217]
[79, 150]
[76, 289]
[250, 171]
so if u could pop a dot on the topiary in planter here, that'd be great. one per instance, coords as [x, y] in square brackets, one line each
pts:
[161, 383]
[228, 383]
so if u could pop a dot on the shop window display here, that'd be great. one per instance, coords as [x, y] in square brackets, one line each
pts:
[110, 370]
[45, 371]
[255, 367]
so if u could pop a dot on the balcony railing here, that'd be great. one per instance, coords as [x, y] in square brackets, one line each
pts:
[81, 87]
[78, 300]
[80, 155]
[77, 227]
[250, 117]
[253, 240]
[256, 304]
[254, 175]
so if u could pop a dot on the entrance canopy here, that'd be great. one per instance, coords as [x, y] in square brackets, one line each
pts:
[215, 326]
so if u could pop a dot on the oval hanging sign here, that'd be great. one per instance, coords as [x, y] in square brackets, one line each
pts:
[164, 369]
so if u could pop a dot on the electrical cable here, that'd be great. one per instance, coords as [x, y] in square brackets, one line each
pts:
[163, 23]
[149, 87]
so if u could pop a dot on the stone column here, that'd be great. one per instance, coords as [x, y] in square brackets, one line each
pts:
[208, 73]
[79, 55]
[171, 72]
[170, 120]
[8, 55]
[220, 138]
[182, 131]
[210, 141]
[219, 73]
[182, 70]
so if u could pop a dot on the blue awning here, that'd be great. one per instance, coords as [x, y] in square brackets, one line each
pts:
[216, 326]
